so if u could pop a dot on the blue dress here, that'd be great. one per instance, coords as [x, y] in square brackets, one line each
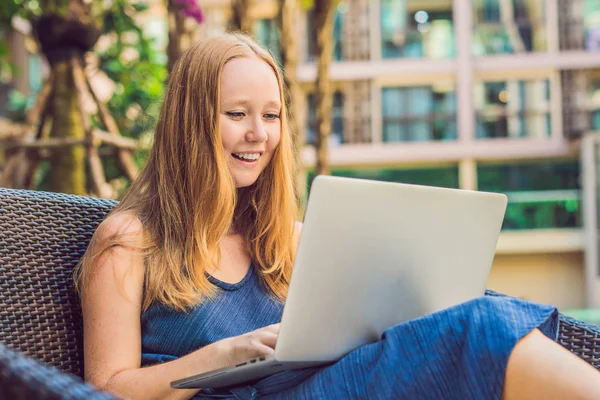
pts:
[458, 353]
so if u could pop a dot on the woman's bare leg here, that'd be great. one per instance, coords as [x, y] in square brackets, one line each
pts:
[539, 368]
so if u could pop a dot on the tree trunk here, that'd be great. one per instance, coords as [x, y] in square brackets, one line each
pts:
[67, 28]
[241, 19]
[68, 172]
[324, 13]
[289, 62]
[176, 22]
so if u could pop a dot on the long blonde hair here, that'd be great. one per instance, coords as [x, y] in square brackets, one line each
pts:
[186, 198]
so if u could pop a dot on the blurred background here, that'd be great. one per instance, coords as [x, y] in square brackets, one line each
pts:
[494, 95]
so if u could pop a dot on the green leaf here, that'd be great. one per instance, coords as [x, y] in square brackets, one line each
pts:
[114, 66]
[3, 48]
[140, 7]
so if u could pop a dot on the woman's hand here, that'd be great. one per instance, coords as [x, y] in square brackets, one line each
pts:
[260, 342]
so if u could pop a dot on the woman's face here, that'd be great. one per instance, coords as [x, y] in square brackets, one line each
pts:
[250, 117]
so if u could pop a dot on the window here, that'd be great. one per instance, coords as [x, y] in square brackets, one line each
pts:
[593, 98]
[419, 113]
[513, 26]
[514, 108]
[417, 29]
[433, 176]
[594, 101]
[543, 194]
[267, 34]
[337, 34]
[591, 24]
[337, 120]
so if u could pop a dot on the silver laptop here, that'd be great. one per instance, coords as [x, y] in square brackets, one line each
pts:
[372, 255]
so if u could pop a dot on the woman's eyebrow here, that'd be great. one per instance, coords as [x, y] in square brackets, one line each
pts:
[273, 103]
[247, 102]
[236, 102]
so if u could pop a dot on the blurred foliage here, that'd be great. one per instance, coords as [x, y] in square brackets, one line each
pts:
[18, 104]
[139, 72]
[137, 68]
[8, 10]
[4, 63]
[18, 8]
[29, 10]
[130, 60]
[125, 55]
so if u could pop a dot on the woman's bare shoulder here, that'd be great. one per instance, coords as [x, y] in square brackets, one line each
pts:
[120, 225]
[116, 255]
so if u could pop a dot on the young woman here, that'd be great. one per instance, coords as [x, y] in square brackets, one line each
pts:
[190, 270]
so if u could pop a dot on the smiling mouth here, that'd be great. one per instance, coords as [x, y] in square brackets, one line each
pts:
[246, 157]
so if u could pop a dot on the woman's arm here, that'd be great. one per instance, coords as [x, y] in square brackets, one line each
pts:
[112, 305]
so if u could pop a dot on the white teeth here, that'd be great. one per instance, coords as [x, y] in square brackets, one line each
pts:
[248, 156]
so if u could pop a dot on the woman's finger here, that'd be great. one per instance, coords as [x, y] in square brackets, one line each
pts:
[267, 338]
[272, 328]
[263, 350]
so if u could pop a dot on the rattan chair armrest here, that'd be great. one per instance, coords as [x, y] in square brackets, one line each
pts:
[22, 377]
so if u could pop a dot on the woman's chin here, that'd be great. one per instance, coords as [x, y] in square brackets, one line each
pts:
[244, 182]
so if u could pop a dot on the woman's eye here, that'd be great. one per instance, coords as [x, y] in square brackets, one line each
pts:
[235, 114]
[271, 116]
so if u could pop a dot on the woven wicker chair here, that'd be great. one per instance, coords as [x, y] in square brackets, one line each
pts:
[22, 377]
[42, 237]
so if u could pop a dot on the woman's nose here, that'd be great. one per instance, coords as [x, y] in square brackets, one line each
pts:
[257, 132]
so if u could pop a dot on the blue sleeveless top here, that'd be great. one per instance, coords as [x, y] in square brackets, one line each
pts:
[238, 308]
[459, 353]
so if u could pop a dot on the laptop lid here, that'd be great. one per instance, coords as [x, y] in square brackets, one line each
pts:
[373, 254]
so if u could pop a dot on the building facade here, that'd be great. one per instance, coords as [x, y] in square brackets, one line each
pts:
[491, 95]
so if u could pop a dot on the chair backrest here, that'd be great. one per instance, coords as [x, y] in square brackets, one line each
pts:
[42, 238]
[22, 377]
[580, 338]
